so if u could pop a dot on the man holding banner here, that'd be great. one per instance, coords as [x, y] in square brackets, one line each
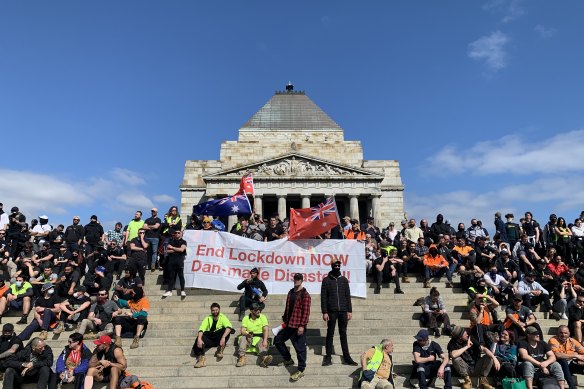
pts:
[255, 292]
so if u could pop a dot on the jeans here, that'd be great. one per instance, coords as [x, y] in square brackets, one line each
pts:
[48, 317]
[330, 332]
[245, 302]
[568, 368]
[298, 342]
[153, 250]
[427, 371]
[527, 370]
[40, 376]
[429, 273]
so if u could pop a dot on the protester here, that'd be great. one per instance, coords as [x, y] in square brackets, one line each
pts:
[99, 319]
[569, 354]
[72, 363]
[214, 331]
[9, 344]
[107, 364]
[254, 291]
[377, 367]
[254, 337]
[175, 263]
[17, 297]
[335, 304]
[294, 322]
[430, 361]
[469, 358]
[134, 318]
[31, 364]
[435, 313]
[537, 359]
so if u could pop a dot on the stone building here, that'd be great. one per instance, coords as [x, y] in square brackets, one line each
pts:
[298, 156]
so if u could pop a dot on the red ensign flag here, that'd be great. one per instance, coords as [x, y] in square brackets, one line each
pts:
[307, 223]
[246, 185]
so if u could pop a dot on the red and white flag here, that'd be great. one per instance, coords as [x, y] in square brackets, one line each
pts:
[307, 223]
[246, 185]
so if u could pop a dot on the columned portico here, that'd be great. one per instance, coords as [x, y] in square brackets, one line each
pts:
[353, 207]
[282, 206]
[305, 201]
[258, 204]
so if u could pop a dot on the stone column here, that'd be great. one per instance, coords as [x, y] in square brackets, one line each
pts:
[354, 207]
[231, 221]
[306, 201]
[282, 206]
[375, 209]
[259, 205]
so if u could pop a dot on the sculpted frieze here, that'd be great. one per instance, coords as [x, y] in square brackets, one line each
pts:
[295, 167]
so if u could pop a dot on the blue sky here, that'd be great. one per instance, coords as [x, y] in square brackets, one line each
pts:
[102, 102]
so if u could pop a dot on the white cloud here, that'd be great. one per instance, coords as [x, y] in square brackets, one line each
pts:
[514, 154]
[510, 9]
[163, 198]
[542, 196]
[491, 49]
[545, 32]
[37, 193]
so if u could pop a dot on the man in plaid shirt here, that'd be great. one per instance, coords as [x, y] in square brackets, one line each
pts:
[295, 320]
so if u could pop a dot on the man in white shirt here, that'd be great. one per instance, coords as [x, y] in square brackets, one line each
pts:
[533, 293]
[3, 218]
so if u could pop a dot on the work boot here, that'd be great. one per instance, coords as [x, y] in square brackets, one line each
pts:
[22, 320]
[90, 336]
[286, 363]
[377, 289]
[484, 383]
[449, 284]
[327, 360]
[398, 291]
[43, 335]
[405, 280]
[201, 362]
[240, 361]
[118, 341]
[241, 316]
[219, 352]
[135, 343]
[467, 383]
[59, 328]
[426, 284]
[266, 360]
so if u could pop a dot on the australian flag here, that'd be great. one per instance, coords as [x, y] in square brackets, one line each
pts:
[235, 205]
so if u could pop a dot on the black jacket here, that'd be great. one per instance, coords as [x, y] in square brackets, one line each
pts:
[17, 359]
[256, 283]
[335, 294]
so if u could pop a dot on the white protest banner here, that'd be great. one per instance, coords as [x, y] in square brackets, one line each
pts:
[221, 261]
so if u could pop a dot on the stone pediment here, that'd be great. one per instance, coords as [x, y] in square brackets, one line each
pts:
[295, 166]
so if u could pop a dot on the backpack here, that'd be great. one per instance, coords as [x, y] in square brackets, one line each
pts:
[133, 382]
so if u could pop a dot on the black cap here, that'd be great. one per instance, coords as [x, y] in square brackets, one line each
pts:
[8, 327]
[255, 306]
[254, 270]
[14, 209]
[93, 217]
[299, 277]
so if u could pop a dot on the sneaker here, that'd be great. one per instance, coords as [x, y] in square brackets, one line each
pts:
[286, 363]
[327, 360]
[168, 293]
[436, 333]
[183, 294]
[405, 280]
[266, 360]
[296, 376]
[398, 291]
[22, 320]
[564, 317]
[556, 316]
[449, 284]
[135, 343]
[201, 362]
[349, 361]
[118, 341]
[426, 284]
[43, 335]
[377, 289]
[59, 328]
[240, 361]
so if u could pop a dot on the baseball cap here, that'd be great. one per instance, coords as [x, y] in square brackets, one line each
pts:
[299, 276]
[100, 269]
[254, 270]
[531, 330]
[255, 306]
[46, 286]
[423, 334]
[104, 339]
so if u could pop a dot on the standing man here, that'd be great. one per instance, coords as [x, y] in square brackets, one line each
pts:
[214, 331]
[175, 264]
[93, 235]
[335, 304]
[295, 319]
[133, 227]
[74, 234]
[152, 227]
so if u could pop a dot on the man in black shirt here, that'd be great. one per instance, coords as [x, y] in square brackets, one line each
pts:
[67, 281]
[31, 364]
[9, 344]
[255, 291]
[537, 359]
[426, 363]
[175, 263]
[74, 234]
[93, 234]
[139, 253]
[45, 310]
[467, 360]
[152, 227]
[274, 230]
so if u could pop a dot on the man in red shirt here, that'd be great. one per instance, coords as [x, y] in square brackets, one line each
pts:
[295, 320]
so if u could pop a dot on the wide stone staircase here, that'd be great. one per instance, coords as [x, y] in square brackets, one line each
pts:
[164, 360]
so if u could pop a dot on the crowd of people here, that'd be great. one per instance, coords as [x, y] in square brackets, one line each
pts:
[64, 276]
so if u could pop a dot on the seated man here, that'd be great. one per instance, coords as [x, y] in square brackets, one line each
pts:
[96, 280]
[126, 284]
[569, 354]
[67, 281]
[107, 364]
[72, 363]
[255, 291]
[30, 364]
[576, 318]
[533, 294]
[73, 310]
[537, 359]
[482, 320]
[214, 331]
[254, 337]
[17, 297]
[426, 363]
[435, 265]
[469, 358]
[9, 344]
[46, 309]
[134, 319]
[46, 275]
[519, 317]
[99, 320]
[503, 290]
[377, 367]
